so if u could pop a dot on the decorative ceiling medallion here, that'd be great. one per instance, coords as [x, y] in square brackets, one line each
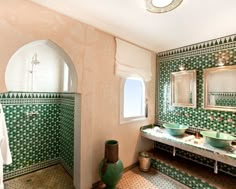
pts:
[153, 7]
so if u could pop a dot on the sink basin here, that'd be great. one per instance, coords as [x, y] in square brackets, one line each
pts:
[175, 129]
[217, 139]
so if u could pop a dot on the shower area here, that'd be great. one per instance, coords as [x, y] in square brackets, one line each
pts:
[40, 109]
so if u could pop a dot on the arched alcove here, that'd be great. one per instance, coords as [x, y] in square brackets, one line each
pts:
[41, 66]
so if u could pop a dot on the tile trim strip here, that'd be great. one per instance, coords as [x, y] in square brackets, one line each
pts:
[207, 46]
[29, 169]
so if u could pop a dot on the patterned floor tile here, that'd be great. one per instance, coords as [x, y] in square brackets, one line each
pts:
[54, 177]
[135, 179]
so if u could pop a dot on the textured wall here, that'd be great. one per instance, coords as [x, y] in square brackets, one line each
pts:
[198, 56]
[93, 54]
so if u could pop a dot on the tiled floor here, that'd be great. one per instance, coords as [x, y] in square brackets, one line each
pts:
[135, 179]
[54, 177]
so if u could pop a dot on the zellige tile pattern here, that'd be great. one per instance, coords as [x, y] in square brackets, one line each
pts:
[186, 179]
[67, 133]
[154, 179]
[197, 158]
[197, 56]
[41, 130]
[54, 177]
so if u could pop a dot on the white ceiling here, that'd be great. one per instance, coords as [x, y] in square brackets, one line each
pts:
[192, 22]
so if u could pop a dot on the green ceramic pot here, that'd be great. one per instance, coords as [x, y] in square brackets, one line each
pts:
[112, 174]
[111, 168]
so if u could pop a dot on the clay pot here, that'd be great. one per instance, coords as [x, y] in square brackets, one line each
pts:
[111, 168]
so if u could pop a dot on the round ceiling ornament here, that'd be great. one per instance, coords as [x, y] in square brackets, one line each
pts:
[161, 6]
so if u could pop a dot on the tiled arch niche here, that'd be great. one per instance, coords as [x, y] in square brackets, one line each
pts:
[41, 121]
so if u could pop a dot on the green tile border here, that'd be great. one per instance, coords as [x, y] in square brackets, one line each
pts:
[30, 169]
[213, 45]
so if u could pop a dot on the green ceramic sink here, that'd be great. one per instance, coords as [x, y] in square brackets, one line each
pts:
[175, 129]
[217, 139]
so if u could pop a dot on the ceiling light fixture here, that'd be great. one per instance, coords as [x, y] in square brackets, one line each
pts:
[161, 6]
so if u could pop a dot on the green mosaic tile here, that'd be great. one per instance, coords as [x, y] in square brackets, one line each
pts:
[30, 169]
[208, 46]
[40, 139]
[225, 99]
[67, 134]
[197, 158]
[33, 139]
[197, 56]
[180, 176]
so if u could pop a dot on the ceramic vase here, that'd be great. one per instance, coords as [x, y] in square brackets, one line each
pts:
[111, 167]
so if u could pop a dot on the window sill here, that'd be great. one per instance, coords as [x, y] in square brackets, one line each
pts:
[131, 120]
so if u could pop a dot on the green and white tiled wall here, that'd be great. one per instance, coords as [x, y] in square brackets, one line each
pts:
[40, 128]
[197, 56]
[224, 99]
[186, 179]
[197, 158]
[67, 134]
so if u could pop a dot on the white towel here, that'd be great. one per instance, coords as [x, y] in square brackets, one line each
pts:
[5, 154]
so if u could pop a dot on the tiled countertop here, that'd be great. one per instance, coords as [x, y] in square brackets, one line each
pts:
[189, 143]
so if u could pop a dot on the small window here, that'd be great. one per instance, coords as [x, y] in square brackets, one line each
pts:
[132, 100]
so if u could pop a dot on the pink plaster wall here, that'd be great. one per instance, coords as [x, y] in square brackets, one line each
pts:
[92, 52]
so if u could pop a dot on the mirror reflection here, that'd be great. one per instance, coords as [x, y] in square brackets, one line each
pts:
[183, 88]
[220, 88]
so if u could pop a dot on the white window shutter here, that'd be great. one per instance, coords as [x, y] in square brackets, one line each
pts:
[132, 61]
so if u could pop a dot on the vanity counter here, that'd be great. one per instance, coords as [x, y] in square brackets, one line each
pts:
[189, 143]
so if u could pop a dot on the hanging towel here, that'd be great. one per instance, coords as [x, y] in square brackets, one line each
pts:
[5, 155]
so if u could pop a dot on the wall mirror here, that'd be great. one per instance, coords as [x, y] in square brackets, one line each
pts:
[220, 88]
[183, 88]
